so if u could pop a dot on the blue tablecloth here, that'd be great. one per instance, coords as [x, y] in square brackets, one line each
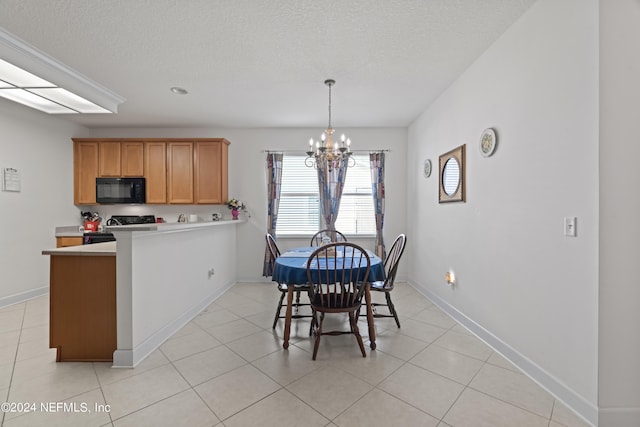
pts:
[291, 267]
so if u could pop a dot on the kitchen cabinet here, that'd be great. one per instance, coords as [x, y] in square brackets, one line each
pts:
[180, 172]
[210, 172]
[177, 170]
[85, 160]
[82, 307]
[63, 242]
[121, 158]
[109, 158]
[197, 171]
[94, 158]
[132, 158]
[155, 171]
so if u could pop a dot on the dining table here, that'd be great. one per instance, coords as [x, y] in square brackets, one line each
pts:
[290, 268]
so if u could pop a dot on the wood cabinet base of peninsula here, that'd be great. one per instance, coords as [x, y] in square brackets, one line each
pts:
[82, 325]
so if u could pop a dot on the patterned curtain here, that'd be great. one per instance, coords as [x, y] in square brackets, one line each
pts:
[331, 177]
[274, 180]
[377, 188]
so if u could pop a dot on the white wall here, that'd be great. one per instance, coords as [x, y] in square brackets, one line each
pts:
[619, 346]
[247, 180]
[39, 145]
[522, 285]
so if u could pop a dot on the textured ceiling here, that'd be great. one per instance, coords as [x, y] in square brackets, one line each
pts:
[252, 63]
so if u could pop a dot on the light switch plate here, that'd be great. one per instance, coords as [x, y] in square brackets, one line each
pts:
[570, 223]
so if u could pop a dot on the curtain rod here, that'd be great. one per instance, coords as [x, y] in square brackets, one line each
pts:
[302, 152]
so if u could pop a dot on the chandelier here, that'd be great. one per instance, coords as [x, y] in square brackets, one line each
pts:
[328, 151]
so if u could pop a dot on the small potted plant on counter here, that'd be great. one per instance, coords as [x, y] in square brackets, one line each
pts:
[236, 207]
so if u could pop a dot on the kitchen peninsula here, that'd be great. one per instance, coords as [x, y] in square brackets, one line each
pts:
[165, 274]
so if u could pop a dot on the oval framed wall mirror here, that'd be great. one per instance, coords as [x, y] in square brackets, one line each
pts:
[451, 177]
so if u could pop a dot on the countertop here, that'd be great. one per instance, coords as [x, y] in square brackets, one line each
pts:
[109, 248]
[172, 226]
[69, 231]
[74, 230]
[96, 249]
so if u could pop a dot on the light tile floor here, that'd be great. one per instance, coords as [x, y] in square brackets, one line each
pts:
[227, 368]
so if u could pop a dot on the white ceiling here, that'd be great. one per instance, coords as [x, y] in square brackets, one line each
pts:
[252, 63]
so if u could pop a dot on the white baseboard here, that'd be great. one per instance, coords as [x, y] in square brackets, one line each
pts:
[23, 296]
[259, 279]
[559, 390]
[619, 417]
[122, 359]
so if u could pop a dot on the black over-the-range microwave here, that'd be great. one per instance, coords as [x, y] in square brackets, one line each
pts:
[120, 190]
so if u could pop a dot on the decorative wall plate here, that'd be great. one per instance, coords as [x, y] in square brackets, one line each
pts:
[427, 168]
[488, 142]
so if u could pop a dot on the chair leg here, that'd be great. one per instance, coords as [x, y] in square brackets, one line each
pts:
[392, 308]
[275, 321]
[356, 332]
[318, 333]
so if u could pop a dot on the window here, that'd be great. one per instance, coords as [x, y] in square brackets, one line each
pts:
[299, 211]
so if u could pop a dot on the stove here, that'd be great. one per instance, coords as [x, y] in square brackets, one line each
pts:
[131, 219]
[96, 237]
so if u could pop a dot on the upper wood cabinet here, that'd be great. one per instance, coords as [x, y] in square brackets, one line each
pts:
[110, 158]
[121, 158]
[177, 171]
[85, 171]
[132, 163]
[197, 171]
[210, 173]
[180, 172]
[155, 171]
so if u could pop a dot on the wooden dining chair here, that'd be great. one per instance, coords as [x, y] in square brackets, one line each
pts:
[284, 288]
[334, 272]
[386, 286]
[333, 235]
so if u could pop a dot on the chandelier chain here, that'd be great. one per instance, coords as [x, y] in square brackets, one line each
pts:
[330, 105]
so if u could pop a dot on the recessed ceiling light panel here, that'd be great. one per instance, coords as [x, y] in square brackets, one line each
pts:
[73, 101]
[19, 83]
[34, 101]
[19, 77]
